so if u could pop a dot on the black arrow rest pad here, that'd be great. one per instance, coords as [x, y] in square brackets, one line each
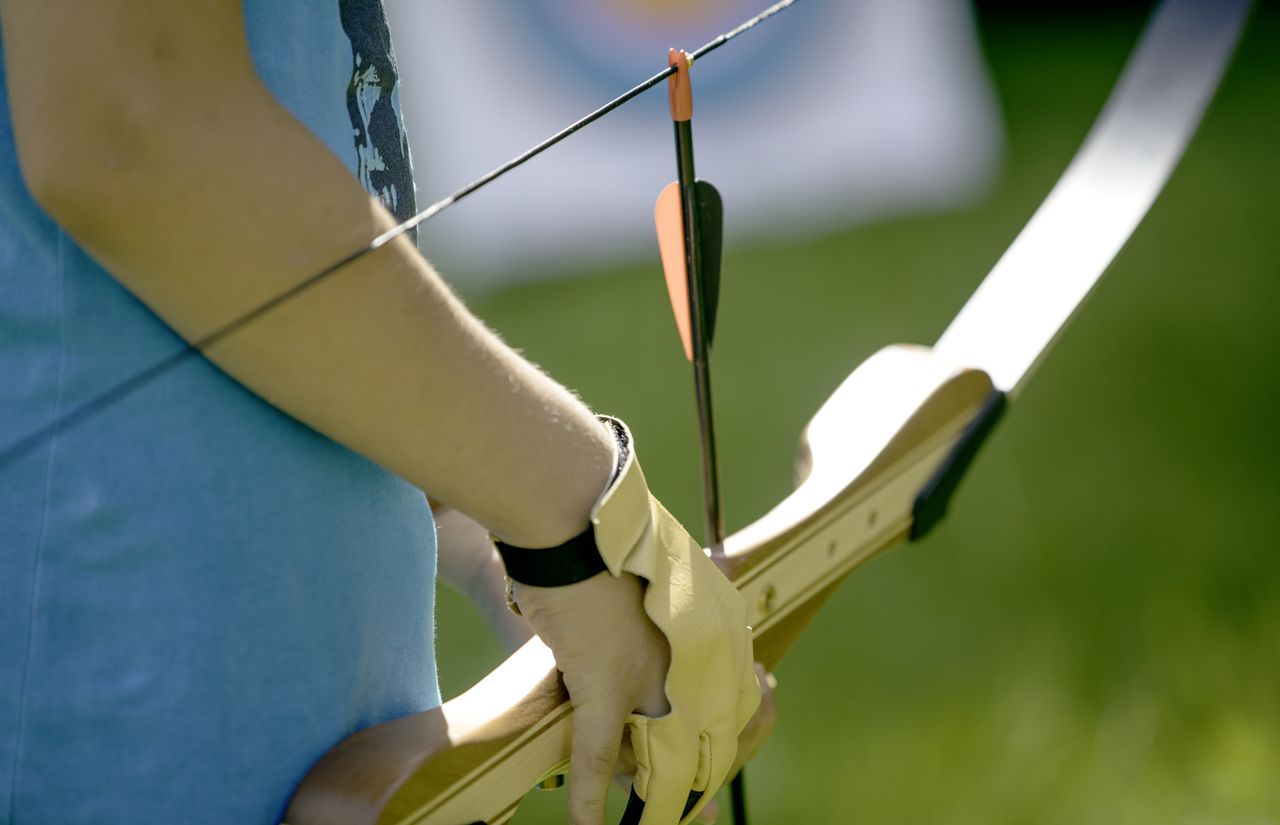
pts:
[932, 500]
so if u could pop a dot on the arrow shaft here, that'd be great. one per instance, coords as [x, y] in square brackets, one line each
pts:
[713, 510]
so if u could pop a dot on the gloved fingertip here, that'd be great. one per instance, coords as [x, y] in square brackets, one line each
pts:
[634, 810]
[664, 813]
[709, 813]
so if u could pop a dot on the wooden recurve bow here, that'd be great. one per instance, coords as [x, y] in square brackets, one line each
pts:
[876, 466]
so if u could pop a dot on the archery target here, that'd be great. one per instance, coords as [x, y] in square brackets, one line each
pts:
[828, 114]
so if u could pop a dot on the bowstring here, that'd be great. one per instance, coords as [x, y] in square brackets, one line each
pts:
[145, 377]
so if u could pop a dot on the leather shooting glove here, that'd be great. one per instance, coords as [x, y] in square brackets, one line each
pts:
[647, 633]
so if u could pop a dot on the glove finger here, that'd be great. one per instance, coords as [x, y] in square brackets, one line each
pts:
[665, 809]
[751, 690]
[597, 736]
[719, 750]
[668, 760]
[758, 729]
[709, 813]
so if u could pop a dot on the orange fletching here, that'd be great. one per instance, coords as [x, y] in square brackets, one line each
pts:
[668, 215]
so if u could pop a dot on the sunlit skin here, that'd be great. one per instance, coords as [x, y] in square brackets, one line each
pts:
[148, 107]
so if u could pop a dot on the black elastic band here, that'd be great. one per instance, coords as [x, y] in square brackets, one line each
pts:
[576, 560]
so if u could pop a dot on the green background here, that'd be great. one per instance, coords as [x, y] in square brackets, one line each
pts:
[1094, 633]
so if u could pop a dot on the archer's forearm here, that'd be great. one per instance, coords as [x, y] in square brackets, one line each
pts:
[143, 129]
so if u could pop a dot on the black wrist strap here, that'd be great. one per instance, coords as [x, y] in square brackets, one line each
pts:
[576, 560]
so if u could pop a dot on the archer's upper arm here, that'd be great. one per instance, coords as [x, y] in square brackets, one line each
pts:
[90, 84]
[220, 200]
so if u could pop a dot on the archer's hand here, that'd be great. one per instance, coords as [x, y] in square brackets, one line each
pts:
[660, 644]
[613, 660]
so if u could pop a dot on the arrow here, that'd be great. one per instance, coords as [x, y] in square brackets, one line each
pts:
[689, 216]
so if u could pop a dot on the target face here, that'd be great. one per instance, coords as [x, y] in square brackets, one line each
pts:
[828, 113]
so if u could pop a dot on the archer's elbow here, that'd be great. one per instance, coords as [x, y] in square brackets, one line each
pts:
[63, 189]
[76, 161]
[99, 94]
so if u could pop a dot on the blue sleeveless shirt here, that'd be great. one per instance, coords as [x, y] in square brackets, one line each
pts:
[198, 595]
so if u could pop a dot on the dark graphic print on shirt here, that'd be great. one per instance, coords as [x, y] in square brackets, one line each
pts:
[382, 152]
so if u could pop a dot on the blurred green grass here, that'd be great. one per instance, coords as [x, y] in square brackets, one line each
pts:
[1094, 633]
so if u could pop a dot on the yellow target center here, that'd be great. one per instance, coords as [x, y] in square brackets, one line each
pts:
[666, 13]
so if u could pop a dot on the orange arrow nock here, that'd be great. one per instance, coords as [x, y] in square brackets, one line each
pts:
[679, 90]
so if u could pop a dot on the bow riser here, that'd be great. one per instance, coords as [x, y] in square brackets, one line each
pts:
[865, 455]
